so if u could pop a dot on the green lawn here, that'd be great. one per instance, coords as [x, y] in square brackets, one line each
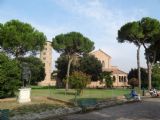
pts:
[87, 93]
[39, 100]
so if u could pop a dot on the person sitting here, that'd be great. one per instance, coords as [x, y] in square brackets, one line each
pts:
[153, 92]
[135, 95]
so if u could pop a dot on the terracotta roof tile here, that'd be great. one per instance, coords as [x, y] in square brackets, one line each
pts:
[115, 71]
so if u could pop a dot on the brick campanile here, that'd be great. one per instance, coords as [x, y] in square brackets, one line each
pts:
[46, 57]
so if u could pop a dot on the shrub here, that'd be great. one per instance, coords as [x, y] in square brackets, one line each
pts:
[79, 80]
[9, 76]
[108, 79]
[133, 82]
[156, 76]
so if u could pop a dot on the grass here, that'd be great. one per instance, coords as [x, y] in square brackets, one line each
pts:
[32, 108]
[87, 93]
[38, 104]
[41, 103]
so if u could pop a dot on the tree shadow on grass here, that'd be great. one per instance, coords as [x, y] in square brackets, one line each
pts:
[79, 101]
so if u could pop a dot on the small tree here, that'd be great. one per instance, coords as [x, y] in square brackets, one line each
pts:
[108, 79]
[71, 45]
[9, 76]
[79, 80]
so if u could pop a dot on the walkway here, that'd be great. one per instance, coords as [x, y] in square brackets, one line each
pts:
[149, 109]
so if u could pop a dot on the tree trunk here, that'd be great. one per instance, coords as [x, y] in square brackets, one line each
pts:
[68, 72]
[149, 65]
[149, 75]
[138, 66]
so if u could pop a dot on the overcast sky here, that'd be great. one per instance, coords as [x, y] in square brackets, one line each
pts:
[98, 20]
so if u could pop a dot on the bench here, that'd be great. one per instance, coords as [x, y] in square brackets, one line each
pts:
[87, 104]
[128, 96]
[4, 114]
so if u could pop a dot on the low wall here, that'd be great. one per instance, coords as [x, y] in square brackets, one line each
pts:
[96, 84]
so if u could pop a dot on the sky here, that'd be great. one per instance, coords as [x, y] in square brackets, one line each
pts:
[99, 20]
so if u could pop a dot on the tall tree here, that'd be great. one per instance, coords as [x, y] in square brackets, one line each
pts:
[19, 38]
[151, 31]
[132, 32]
[71, 45]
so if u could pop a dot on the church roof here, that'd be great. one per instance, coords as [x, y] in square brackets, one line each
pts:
[101, 52]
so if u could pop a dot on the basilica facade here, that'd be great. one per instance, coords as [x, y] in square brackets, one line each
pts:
[119, 77]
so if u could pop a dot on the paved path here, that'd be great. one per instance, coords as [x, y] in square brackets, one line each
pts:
[149, 109]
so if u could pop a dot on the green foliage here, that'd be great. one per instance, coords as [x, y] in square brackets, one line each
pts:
[37, 69]
[91, 66]
[108, 79]
[79, 80]
[61, 65]
[19, 38]
[143, 32]
[133, 73]
[72, 43]
[87, 64]
[1, 40]
[130, 32]
[156, 76]
[9, 76]
[151, 30]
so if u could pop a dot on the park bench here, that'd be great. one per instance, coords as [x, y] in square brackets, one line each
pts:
[128, 96]
[87, 104]
[4, 114]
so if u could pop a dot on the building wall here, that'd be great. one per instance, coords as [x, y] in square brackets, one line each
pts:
[105, 60]
[46, 57]
[120, 80]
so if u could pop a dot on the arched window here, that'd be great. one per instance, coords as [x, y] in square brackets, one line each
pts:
[114, 78]
[125, 79]
[119, 78]
[103, 64]
[122, 79]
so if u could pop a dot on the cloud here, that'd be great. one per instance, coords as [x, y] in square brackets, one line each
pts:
[96, 19]
[106, 22]
[51, 32]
